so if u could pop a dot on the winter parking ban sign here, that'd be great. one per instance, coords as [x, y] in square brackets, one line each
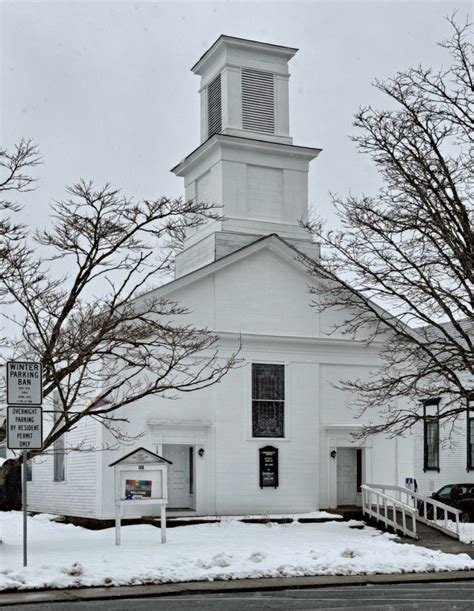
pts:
[24, 383]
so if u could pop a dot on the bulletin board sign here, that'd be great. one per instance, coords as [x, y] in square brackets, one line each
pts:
[268, 467]
[137, 489]
[141, 485]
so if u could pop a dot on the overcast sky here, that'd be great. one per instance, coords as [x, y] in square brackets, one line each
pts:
[106, 91]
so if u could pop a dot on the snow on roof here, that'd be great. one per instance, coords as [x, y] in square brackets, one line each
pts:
[433, 332]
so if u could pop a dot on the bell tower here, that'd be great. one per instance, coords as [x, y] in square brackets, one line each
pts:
[244, 90]
[246, 162]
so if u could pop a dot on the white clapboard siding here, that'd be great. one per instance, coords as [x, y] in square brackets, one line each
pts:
[76, 496]
[258, 101]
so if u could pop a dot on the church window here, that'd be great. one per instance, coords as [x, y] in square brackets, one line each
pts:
[214, 107]
[258, 101]
[431, 435]
[268, 400]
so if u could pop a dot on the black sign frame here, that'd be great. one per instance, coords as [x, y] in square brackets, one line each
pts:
[268, 467]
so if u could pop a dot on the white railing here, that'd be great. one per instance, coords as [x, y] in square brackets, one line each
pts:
[426, 508]
[378, 505]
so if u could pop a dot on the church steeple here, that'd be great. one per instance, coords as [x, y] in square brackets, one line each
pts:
[244, 89]
[246, 162]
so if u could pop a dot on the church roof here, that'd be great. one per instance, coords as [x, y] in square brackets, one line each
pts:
[463, 327]
[273, 241]
[302, 151]
[245, 42]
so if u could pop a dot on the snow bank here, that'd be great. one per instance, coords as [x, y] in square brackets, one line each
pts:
[466, 530]
[63, 555]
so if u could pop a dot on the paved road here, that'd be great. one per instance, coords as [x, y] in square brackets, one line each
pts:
[432, 596]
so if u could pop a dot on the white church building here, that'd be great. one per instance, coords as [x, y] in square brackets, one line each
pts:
[276, 435]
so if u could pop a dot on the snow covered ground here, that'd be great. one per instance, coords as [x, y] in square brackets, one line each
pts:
[466, 530]
[62, 555]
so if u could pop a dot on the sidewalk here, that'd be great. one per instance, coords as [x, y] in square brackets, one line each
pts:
[241, 585]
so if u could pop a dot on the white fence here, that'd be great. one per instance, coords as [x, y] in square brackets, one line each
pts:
[387, 503]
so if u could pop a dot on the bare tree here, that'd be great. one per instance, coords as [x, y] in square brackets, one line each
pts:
[409, 249]
[103, 340]
[15, 177]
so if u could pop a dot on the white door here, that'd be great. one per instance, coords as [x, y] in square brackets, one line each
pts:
[346, 476]
[178, 475]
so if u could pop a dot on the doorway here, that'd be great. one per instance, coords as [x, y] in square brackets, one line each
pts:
[181, 476]
[349, 475]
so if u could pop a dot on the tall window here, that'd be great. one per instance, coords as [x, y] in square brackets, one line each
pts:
[58, 456]
[431, 435]
[470, 434]
[268, 400]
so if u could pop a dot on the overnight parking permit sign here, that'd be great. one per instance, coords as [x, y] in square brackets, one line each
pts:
[24, 428]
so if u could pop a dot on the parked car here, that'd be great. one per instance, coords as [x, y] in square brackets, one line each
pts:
[460, 496]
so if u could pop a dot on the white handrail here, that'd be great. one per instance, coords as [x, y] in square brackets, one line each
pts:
[420, 503]
[372, 496]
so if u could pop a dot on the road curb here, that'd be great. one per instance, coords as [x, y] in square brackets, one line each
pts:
[214, 587]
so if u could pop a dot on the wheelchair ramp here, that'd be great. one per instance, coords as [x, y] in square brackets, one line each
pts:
[408, 512]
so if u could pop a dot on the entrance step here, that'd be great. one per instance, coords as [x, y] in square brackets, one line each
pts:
[348, 512]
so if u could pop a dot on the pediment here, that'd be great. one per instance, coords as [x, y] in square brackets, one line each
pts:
[140, 456]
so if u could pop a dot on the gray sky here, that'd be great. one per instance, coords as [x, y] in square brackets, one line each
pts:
[106, 91]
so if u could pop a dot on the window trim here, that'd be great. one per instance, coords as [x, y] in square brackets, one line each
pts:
[431, 419]
[286, 414]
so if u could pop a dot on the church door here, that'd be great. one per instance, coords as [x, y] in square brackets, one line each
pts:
[178, 476]
[346, 476]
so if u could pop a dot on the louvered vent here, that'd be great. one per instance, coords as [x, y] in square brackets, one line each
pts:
[258, 101]
[214, 107]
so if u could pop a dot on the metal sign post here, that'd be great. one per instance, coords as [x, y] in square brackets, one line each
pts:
[24, 420]
[24, 505]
